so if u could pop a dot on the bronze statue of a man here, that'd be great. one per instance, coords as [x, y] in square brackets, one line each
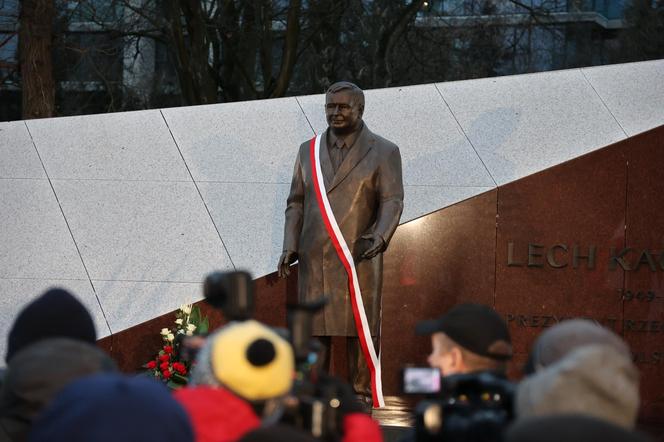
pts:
[361, 172]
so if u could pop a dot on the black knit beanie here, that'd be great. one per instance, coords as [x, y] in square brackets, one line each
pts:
[54, 314]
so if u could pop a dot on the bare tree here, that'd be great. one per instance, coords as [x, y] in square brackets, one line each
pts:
[644, 37]
[220, 48]
[393, 19]
[130, 54]
[36, 61]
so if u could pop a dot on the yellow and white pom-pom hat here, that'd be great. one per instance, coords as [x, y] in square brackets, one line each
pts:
[252, 360]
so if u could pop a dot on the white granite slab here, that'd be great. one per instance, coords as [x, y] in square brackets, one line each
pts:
[434, 150]
[18, 157]
[123, 146]
[252, 141]
[526, 123]
[142, 231]
[422, 200]
[314, 109]
[250, 217]
[34, 239]
[15, 294]
[634, 93]
[129, 303]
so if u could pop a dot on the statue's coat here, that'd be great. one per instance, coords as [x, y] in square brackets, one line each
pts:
[366, 196]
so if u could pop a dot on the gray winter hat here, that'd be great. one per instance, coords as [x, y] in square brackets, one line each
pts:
[593, 380]
[563, 338]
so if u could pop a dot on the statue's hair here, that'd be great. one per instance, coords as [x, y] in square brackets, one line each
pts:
[354, 89]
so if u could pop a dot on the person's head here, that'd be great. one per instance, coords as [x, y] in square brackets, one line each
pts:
[38, 372]
[56, 313]
[563, 338]
[466, 339]
[592, 380]
[247, 358]
[112, 407]
[344, 107]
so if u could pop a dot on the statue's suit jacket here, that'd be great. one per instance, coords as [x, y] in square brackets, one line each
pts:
[366, 196]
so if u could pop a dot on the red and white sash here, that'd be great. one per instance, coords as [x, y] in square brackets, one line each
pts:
[361, 323]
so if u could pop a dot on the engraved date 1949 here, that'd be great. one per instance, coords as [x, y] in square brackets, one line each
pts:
[639, 295]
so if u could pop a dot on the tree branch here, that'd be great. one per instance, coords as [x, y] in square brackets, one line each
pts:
[289, 52]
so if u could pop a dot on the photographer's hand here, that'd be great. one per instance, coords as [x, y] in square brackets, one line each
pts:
[285, 260]
[377, 245]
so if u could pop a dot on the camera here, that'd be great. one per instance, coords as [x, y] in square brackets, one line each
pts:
[316, 401]
[317, 408]
[232, 293]
[473, 407]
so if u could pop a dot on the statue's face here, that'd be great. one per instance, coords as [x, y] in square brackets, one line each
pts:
[343, 114]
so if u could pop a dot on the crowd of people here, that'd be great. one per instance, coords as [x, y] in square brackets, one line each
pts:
[580, 382]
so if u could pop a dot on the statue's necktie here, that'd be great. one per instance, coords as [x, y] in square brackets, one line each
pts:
[338, 154]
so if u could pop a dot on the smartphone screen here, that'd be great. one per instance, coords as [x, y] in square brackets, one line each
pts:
[421, 380]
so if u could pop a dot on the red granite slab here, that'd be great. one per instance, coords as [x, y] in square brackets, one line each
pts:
[433, 263]
[644, 283]
[544, 221]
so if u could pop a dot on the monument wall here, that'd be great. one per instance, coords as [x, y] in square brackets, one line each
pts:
[581, 239]
[131, 210]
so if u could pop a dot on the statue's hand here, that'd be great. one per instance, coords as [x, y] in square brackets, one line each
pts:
[376, 247]
[287, 258]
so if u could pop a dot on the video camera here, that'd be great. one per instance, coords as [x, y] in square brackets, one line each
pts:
[474, 407]
[232, 293]
[317, 400]
[318, 409]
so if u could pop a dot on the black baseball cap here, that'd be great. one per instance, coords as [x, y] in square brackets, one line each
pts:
[477, 328]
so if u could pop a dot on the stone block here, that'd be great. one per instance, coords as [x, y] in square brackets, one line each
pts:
[142, 231]
[522, 124]
[253, 141]
[118, 146]
[19, 157]
[34, 239]
[129, 303]
[633, 92]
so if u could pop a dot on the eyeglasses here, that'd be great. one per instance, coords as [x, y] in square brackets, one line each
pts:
[342, 106]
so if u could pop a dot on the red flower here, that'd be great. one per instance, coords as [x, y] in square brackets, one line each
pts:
[164, 358]
[179, 367]
[151, 365]
[168, 349]
[166, 374]
[164, 366]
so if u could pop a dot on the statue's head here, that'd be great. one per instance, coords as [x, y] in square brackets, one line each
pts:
[344, 106]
